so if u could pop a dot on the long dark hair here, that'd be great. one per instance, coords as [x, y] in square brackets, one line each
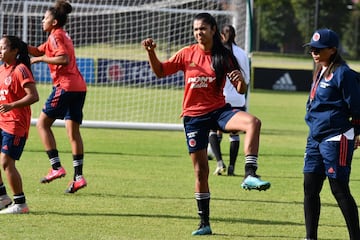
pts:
[228, 44]
[23, 54]
[223, 61]
[335, 61]
[60, 11]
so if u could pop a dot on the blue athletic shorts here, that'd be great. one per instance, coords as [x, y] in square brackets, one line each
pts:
[65, 105]
[12, 145]
[197, 128]
[330, 158]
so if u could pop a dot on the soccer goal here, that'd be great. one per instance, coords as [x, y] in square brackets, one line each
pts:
[122, 90]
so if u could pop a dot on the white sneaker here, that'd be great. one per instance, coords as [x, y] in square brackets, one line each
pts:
[5, 201]
[16, 209]
[220, 169]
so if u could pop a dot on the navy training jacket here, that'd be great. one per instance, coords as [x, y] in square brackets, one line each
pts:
[335, 107]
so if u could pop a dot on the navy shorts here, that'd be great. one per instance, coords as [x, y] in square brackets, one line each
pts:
[197, 128]
[65, 105]
[330, 158]
[12, 145]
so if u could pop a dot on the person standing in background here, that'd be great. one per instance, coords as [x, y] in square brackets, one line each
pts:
[67, 98]
[236, 100]
[17, 92]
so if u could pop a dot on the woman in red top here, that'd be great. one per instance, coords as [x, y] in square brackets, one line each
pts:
[205, 66]
[67, 98]
[17, 93]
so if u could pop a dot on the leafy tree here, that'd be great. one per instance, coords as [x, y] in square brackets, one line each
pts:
[351, 38]
[289, 24]
[332, 14]
[275, 23]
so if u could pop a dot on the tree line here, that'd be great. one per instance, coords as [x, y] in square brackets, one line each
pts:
[285, 25]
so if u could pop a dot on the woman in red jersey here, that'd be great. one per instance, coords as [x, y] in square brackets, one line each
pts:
[205, 66]
[67, 98]
[17, 93]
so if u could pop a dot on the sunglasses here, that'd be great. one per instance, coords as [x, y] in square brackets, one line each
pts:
[315, 50]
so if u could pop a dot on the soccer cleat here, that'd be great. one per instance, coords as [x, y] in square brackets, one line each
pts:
[74, 186]
[53, 174]
[202, 230]
[231, 171]
[5, 201]
[220, 169]
[16, 209]
[254, 182]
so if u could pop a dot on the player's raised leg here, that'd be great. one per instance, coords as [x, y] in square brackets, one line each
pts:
[251, 125]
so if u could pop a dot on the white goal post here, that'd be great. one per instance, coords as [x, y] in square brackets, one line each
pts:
[122, 90]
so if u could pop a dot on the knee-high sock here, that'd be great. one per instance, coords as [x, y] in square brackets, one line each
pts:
[203, 203]
[312, 187]
[348, 206]
[214, 141]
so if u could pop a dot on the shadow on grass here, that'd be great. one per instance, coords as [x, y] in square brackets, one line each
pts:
[195, 218]
[245, 201]
[107, 152]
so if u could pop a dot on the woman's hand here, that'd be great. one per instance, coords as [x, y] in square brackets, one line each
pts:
[238, 81]
[149, 44]
[5, 108]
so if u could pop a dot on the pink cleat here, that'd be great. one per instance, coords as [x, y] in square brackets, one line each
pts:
[74, 186]
[53, 174]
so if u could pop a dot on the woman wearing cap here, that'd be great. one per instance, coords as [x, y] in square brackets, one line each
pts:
[333, 117]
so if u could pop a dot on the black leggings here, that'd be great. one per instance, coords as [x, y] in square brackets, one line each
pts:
[312, 187]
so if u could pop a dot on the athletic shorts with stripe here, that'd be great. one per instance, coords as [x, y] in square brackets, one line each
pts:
[330, 158]
[12, 145]
[197, 128]
[65, 105]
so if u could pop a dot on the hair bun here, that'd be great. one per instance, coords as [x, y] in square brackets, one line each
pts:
[63, 6]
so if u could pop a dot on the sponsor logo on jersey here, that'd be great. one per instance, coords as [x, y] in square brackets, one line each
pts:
[200, 82]
[192, 64]
[3, 94]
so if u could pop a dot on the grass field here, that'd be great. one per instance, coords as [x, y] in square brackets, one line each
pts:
[140, 186]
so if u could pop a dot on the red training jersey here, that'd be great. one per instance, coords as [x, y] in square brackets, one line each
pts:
[201, 93]
[12, 81]
[68, 77]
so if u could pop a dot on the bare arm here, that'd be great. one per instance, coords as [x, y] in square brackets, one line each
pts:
[154, 62]
[31, 97]
[34, 51]
[58, 60]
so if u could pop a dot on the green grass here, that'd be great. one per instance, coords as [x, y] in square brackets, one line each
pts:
[140, 185]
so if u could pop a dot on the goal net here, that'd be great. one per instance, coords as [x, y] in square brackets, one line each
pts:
[122, 90]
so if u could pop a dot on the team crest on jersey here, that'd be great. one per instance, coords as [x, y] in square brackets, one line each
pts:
[328, 78]
[316, 36]
[192, 64]
[8, 80]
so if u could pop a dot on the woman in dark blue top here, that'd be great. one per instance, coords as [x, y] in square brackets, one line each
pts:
[333, 117]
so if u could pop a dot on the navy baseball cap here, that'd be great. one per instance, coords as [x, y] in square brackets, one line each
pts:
[324, 38]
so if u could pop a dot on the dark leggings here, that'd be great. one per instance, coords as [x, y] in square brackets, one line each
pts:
[312, 187]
